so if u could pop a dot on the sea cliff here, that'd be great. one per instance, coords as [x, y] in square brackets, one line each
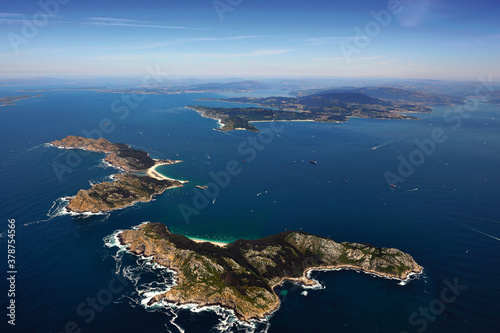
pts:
[123, 192]
[242, 275]
[119, 154]
[127, 188]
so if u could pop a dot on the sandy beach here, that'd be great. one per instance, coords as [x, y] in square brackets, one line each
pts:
[278, 120]
[201, 113]
[198, 240]
[155, 174]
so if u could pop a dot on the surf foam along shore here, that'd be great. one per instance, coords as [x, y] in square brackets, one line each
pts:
[241, 276]
[145, 291]
[125, 189]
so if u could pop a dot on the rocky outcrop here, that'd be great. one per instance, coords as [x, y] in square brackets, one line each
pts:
[120, 155]
[78, 142]
[241, 276]
[126, 190]
[385, 262]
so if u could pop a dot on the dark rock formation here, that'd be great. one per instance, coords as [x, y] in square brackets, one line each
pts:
[128, 188]
[241, 276]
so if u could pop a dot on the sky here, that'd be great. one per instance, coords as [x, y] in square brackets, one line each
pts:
[434, 39]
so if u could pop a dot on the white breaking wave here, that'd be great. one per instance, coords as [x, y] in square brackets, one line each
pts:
[105, 165]
[40, 145]
[228, 322]
[175, 315]
[112, 240]
[146, 290]
[401, 282]
[411, 276]
[58, 208]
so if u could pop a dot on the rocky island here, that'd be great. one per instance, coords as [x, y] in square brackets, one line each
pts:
[127, 188]
[241, 276]
[323, 107]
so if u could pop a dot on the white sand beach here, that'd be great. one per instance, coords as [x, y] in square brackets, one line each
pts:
[155, 174]
[199, 240]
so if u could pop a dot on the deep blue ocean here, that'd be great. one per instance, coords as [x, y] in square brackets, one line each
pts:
[445, 212]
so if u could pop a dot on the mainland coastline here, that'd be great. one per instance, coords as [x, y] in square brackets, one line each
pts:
[11, 100]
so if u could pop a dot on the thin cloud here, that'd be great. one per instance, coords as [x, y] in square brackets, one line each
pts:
[257, 53]
[11, 15]
[107, 22]
[268, 52]
[414, 12]
[324, 40]
[328, 59]
[112, 20]
[478, 41]
[385, 63]
[192, 39]
[132, 23]
[494, 36]
[343, 58]
[223, 38]
[116, 58]
[489, 37]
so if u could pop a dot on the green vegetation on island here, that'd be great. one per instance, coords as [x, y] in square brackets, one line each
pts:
[239, 118]
[323, 107]
[390, 94]
[241, 276]
[120, 155]
[123, 192]
[128, 188]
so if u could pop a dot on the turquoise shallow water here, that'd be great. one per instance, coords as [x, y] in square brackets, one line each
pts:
[445, 213]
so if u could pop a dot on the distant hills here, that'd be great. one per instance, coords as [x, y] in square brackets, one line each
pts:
[425, 92]
[342, 97]
[239, 86]
[494, 97]
[388, 94]
[324, 107]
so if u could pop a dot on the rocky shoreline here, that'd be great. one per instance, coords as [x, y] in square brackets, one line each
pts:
[242, 275]
[127, 188]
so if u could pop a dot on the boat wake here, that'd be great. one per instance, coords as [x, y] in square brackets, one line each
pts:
[480, 232]
[383, 144]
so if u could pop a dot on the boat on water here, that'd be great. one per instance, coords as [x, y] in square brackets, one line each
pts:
[313, 162]
[393, 185]
[345, 181]
[204, 187]
[374, 148]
